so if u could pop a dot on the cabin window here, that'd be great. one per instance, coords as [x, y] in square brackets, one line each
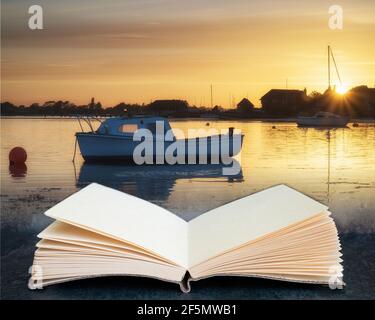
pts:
[129, 128]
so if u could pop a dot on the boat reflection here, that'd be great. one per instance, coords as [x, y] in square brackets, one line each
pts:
[150, 181]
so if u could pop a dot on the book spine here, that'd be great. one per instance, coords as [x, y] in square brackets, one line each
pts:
[185, 283]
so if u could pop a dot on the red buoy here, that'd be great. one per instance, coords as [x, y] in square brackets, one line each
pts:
[17, 155]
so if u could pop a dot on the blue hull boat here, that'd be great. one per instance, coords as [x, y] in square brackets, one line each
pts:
[115, 141]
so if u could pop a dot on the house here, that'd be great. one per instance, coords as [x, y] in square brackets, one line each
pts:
[169, 107]
[283, 101]
[245, 106]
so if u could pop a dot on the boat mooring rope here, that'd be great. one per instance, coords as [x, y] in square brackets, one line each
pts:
[75, 150]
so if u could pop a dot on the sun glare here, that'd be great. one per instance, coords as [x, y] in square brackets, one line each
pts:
[341, 89]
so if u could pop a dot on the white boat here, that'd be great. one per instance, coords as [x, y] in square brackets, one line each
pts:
[323, 119]
[114, 140]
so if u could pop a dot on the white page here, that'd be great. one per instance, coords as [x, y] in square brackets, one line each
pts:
[128, 218]
[246, 219]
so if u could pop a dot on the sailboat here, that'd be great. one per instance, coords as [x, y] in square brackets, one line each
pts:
[325, 119]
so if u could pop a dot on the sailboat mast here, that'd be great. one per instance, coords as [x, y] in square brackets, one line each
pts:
[212, 98]
[337, 70]
[329, 67]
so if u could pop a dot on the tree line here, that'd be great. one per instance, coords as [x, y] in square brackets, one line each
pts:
[357, 102]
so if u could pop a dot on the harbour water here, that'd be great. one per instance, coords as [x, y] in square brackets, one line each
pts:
[334, 166]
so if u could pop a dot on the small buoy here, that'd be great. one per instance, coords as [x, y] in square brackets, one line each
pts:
[355, 125]
[273, 127]
[17, 155]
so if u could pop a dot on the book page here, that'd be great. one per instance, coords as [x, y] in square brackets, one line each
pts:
[128, 218]
[246, 219]
[69, 234]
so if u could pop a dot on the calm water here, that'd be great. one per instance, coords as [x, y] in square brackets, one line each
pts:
[337, 167]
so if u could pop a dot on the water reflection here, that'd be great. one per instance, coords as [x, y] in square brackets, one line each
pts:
[334, 166]
[149, 182]
[18, 170]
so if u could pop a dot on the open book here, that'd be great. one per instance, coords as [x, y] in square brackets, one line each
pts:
[277, 233]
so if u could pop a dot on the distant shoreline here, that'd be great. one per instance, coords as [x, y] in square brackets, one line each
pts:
[360, 120]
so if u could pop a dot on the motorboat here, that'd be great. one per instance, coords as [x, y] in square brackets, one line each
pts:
[118, 138]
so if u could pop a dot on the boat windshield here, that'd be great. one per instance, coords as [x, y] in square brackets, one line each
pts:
[129, 128]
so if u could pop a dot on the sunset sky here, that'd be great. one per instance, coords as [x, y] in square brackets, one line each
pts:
[141, 50]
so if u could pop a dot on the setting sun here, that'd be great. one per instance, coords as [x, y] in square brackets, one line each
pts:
[341, 89]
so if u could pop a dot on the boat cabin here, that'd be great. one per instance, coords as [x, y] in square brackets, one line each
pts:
[127, 126]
